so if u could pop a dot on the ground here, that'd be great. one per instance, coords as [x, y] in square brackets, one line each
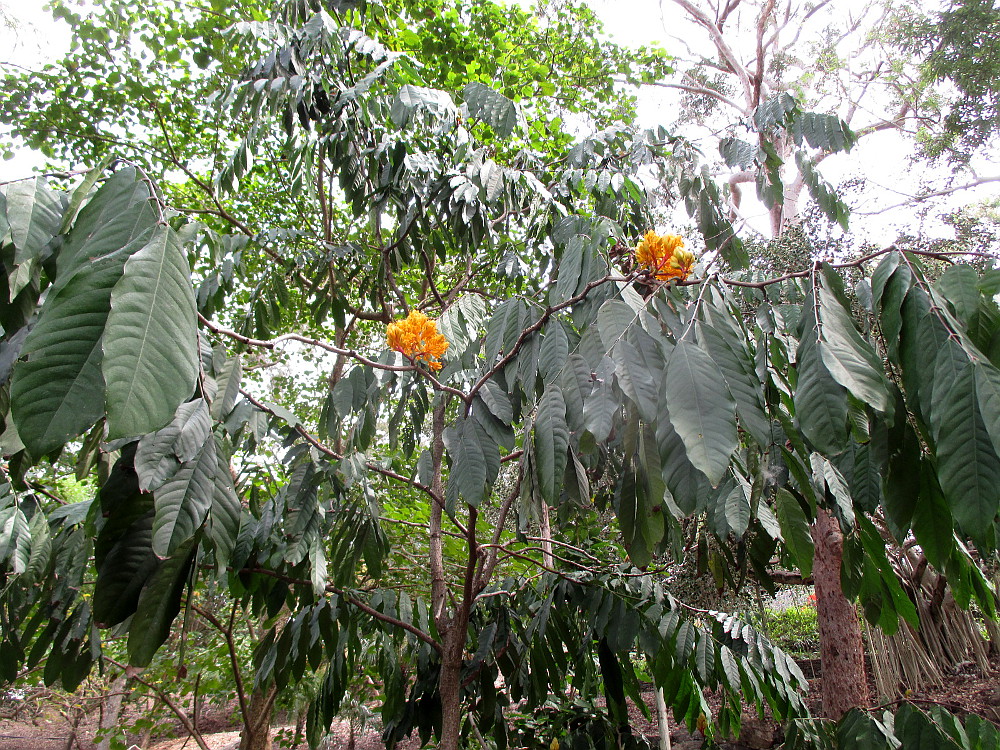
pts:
[967, 691]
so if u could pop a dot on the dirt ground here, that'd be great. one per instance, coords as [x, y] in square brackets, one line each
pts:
[968, 691]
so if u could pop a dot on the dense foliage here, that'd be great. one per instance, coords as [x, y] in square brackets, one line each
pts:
[494, 504]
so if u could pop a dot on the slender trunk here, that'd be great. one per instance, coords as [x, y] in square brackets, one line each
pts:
[546, 532]
[450, 685]
[256, 734]
[111, 708]
[662, 720]
[845, 684]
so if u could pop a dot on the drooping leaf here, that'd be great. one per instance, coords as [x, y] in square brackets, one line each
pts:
[968, 465]
[492, 107]
[475, 461]
[820, 401]
[160, 454]
[150, 346]
[34, 213]
[184, 500]
[701, 409]
[57, 390]
[850, 359]
[159, 603]
[794, 530]
[551, 441]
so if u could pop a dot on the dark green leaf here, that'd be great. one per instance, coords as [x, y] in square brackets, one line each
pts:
[150, 345]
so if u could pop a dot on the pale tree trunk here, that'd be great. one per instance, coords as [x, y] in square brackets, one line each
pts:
[256, 734]
[546, 533]
[845, 683]
[111, 708]
[662, 720]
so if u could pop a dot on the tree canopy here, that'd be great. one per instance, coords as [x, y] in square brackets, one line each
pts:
[362, 335]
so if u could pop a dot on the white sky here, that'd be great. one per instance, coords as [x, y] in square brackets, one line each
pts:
[881, 158]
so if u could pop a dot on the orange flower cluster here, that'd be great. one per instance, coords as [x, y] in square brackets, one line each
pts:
[665, 256]
[417, 339]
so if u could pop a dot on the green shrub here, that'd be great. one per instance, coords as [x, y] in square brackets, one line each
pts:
[795, 630]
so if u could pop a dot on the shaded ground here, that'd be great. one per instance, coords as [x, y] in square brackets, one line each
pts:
[966, 691]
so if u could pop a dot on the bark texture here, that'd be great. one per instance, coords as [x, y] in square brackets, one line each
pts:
[845, 684]
[256, 734]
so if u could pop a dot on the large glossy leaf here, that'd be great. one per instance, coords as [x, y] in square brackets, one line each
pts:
[820, 401]
[701, 409]
[968, 465]
[34, 213]
[475, 461]
[159, 603]
[151, 342]
[161, 453]
[57, 390]
[551, 440]
[850, 359]
[183, 501]
[794, 530]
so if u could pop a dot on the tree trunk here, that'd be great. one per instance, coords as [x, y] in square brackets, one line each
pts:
[450, 684]
[662, 720]
[845, 684]
[256, 734]
[111, 708]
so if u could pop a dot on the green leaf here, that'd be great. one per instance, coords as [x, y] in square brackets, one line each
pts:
[959, 285]
[34, 213]
[820, 401]
[724, 341]
[230, 378]
[475, 461]
[151, 343]
[774, 111]
[57, 390]
[15, 539]
[492, 107]
[551, 439]
[124, 571]
[224, 517]
[932, 522]
[850, 359]
[184, 500]
[689, 487]
[161, 453]
[737, 153]
[412, 99]
[159, 603]
[968, 465]
[795, 530]
[701, 409]
[823, 131]
[988, 393]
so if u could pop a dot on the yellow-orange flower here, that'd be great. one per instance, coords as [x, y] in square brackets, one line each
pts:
[417, 339]
[665, 256]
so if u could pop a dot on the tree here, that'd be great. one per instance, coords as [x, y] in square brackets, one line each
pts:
[574, 384]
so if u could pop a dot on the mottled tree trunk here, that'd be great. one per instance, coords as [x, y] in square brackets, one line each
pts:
[111, 708]
[256, 734]
[845, 684]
